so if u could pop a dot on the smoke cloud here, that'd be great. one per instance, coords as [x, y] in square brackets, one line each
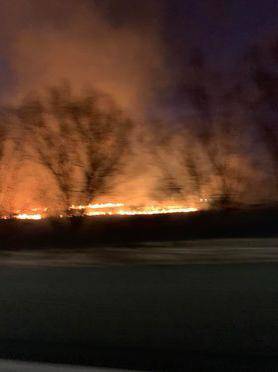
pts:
[118, 49]
[80, 41]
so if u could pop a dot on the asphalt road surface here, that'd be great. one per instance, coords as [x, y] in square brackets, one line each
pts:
[19, 366]
[218, 314]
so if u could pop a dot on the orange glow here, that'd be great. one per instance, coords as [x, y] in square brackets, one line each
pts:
[102, 209]
[122, 210]
[26, 216]
[96, 206]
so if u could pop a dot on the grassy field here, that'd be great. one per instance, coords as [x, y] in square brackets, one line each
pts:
[122, 230]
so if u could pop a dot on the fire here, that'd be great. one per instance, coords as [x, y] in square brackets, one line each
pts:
[26, 216]
[102, 209]
[122, 210]
[157, 211]
[96, 206]
[30, 214]
[141, 211]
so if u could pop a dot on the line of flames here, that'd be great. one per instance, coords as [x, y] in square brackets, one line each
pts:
[103, 209]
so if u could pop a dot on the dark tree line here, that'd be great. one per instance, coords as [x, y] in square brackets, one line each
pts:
[81, 141]
[258, 94]
[231, 112]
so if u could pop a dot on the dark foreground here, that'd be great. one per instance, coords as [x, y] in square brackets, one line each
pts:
[122, 230]
[190, 317]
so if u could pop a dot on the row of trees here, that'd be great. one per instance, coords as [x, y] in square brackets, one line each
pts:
[228, 137]
[225, 147]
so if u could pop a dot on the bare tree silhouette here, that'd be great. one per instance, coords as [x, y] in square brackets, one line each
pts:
[209, 96]
[259, 96]
[10, 161]
[79, 140]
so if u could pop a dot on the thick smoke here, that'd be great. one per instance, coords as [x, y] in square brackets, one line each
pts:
[45, 42]
[60, 141]
[87, 45]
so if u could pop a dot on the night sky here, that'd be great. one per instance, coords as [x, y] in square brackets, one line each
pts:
[222, 29]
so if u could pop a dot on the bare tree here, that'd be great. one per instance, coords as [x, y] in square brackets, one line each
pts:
[210, 97]
[79, 140]
[3, 131]
[11, 160]
[102, 131]
[2, 142]
[259, 96]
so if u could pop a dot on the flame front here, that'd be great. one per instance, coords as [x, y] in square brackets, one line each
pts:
[96, 206]
[110, 209]
[101, 209]
[27, 216]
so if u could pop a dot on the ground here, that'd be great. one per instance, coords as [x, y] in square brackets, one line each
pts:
[179, 292]
[70, 233]
[169, 317]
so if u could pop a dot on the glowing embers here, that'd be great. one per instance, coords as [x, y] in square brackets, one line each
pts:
[100, 209]
[26, 216]
[110, 209]
[156, 210]
[96, 206]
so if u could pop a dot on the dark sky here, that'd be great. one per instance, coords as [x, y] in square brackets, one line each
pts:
[222, 29]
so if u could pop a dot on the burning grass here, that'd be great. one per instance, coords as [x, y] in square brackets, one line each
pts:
[115, 230]
[101, 209]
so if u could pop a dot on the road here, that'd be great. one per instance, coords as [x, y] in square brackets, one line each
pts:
[19, 366]
[143, 316]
